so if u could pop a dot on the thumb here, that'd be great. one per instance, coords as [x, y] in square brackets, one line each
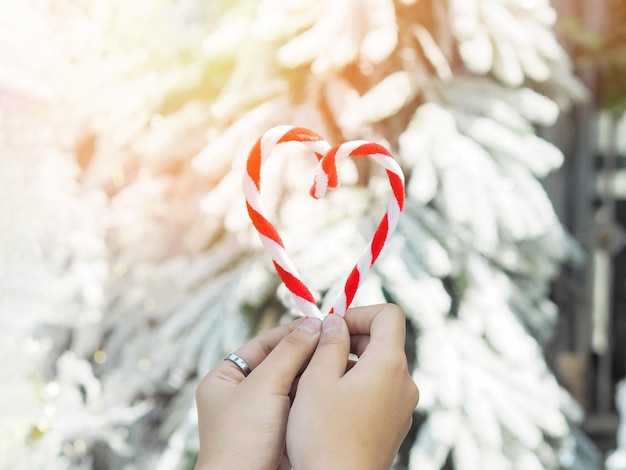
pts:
[282, 365]
[331, 354]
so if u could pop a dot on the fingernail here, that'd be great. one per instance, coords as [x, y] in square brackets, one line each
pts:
[310, 325]
[331, 323]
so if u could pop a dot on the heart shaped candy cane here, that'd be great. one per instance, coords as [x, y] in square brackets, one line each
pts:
[326, 177]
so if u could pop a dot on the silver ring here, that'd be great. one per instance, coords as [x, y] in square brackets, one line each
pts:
[239, 362]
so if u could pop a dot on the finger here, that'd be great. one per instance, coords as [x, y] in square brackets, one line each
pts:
[331, 354]
[294, 387]
[281, 366]
[284, 462]
[385, 324]
[358, 343]
[408, 423]
[256, 350]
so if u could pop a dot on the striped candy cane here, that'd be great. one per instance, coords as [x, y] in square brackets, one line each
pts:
[326, 178]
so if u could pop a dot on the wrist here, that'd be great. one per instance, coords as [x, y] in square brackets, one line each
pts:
[206, 464]
[230, 462]
[217, 464]
[336, 464]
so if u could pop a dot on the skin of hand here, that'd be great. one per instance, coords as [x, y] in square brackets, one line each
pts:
[354, 417]
[242, 423]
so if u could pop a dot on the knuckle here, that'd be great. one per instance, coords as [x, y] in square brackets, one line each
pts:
[308, 381]
[291, 341]
[396, 363]
[333, 339]
[294, 339]
[408, 424]
[204, 388]
[262, 343]
[393, 310]
[414, 394]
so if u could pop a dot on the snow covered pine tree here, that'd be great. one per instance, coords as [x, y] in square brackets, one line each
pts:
[144, 112]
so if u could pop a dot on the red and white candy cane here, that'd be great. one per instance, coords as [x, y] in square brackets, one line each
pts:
[326, 177]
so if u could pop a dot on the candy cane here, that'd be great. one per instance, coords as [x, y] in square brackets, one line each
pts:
[326, 178]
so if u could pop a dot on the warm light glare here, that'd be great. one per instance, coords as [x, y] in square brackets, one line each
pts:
[100, 357]
[122, 241]
[79, 446]
[119, 269]
[143, 174]
[118, 178]
[143, 365]
[53, 389]
[149, 304]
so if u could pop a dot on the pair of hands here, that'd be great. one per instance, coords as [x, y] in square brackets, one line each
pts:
[304, 405]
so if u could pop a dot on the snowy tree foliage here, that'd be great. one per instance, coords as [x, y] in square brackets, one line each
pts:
[616, 460]
[129, 264]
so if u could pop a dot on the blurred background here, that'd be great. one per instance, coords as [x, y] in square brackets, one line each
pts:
[129, 268]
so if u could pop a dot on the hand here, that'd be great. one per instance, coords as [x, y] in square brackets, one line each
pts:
[354, 418]
[242, 423]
